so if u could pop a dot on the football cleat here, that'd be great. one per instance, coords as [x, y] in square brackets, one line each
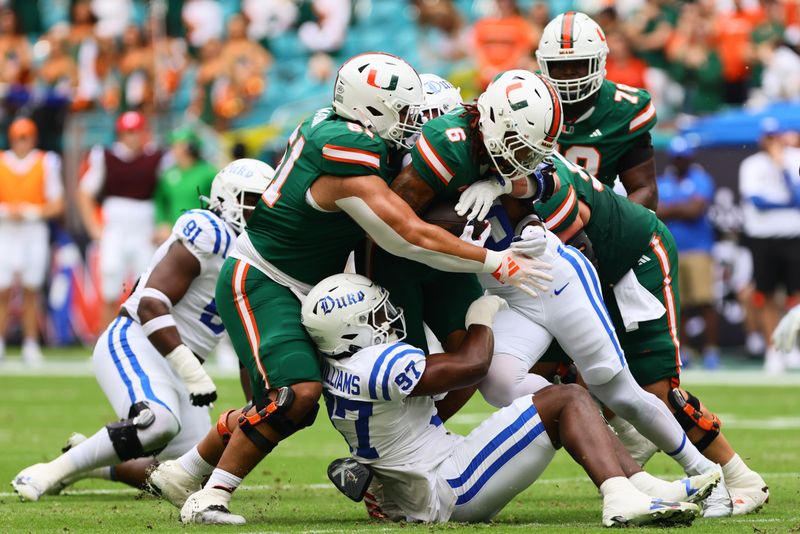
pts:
[719, 503]
[748, 493]
[170, 481]
[652, 512]
[32, 482]
[209, 507]
[694, 489]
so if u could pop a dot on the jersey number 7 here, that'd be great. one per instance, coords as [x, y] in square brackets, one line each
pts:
[337, 408]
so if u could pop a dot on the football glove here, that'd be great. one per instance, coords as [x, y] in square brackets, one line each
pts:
[183, 362]
[544, 175]
[477, 199]
[531, 242]
[468, 235]
[483, 310]
[520, 271]
[785, 335]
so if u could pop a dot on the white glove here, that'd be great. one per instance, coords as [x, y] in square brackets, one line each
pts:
[785, 335]
[469, 231]
[183, 362]
[483, 310]
[531, 242]
[479, 197]
[520, 271]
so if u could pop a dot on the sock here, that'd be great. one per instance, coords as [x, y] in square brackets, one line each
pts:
[103, 473]
[735, 470]
[691, 460]
[96, 451]
[223, 480]
[194, 464]
[616, 485]
[647, 483]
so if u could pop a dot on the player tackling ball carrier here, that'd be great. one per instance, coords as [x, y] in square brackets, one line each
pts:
[329, 191]
[148, 361]
[380, 393]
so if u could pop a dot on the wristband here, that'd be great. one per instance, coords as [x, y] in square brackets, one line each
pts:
[158, 323]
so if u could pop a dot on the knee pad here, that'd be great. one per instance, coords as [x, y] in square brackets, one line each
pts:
[688, 414]
[146, 432]
[223, 429]
[274, 415]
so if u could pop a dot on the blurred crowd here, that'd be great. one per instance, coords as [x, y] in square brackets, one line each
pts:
[213, 61]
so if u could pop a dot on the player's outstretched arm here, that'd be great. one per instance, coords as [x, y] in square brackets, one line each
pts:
[167, 284]
[469, 364]
[396, 228]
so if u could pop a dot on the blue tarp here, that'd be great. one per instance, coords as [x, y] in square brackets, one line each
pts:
[741, 127]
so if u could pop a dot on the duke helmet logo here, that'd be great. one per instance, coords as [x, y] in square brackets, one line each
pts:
[328, 304]
[373, 73]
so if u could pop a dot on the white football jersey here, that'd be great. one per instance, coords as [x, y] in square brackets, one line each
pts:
[210, 239]
[401, 437]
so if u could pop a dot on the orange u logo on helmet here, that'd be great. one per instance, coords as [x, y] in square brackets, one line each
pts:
[516, 105]
[373, 73]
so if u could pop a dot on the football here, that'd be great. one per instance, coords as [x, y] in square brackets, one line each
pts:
[442, 213]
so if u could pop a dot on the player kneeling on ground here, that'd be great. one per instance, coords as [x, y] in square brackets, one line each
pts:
[380, 396]
[148, 361]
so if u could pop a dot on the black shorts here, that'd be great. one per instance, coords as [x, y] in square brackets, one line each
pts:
[776, 262]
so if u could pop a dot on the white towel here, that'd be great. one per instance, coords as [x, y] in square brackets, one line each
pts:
[636, 304]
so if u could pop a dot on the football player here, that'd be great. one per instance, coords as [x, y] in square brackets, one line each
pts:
[329, 191]
[636, 260]
[380, 392]
[149, 360]
[606, 125]
[579, 319]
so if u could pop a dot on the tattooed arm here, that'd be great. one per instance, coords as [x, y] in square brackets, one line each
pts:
[410, 187]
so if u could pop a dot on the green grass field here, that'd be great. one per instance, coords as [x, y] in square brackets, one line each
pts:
[290, 493]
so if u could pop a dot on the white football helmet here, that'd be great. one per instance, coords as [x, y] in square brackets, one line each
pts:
[382, 93]
[520, 119]
[440, 96]
[574, 36]
[347, 312]
[232, 183]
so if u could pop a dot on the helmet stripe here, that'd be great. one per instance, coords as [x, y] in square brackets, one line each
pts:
[555, 126]
[567, 29]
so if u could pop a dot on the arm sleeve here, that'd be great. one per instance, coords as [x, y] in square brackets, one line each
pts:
[53, 186]
[396, 372]
[93, 179]
[203, 233]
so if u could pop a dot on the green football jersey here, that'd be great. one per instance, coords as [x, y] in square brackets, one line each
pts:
[621, 114]
[303, 241]
[442, 155]
[620, 230]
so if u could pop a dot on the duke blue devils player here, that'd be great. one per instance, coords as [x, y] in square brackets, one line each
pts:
[148, 361]
[380, 393]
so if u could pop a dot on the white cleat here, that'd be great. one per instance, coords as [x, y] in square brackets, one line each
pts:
[649, 512]
[694, 489]
[749, 494]
[719, 503]
[32, 482]
[209, 507]
[170, 481]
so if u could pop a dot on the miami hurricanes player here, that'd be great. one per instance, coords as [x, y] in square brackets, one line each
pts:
[148, 361]
[380, 393]
[606, 125]
[329, 192]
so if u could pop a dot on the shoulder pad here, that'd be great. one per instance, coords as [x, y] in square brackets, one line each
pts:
[204, 233]
[635, 107]
[395, 370]
[347, 148]
[442, 147]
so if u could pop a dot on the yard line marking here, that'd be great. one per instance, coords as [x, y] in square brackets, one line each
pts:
[328, 486]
